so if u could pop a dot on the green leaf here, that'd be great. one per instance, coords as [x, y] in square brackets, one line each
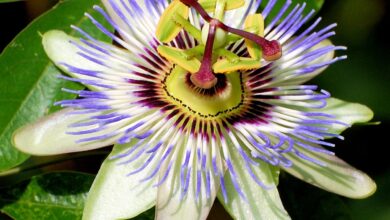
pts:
[148, 215]
[51, 196]
[310, 5]
[7, 1]
[29, 85]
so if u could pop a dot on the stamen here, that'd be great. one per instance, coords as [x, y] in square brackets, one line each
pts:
[205, 77]
[272, 50]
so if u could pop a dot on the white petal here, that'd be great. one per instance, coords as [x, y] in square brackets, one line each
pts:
[95, 64]
[170, 203]
[114, 195]
[235, 18]
[62, 50]
[337, 176]
[260, 203]
[347, 112]
[48, 135]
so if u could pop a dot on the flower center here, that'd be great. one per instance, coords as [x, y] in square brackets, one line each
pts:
[271, 49]
[224, 97]
[210, 56]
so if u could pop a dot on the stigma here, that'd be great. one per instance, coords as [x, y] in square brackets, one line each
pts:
[205, 77]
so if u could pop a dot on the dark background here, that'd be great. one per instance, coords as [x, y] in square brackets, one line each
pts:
[364, 77]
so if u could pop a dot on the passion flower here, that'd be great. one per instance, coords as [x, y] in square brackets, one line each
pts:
[202, 99]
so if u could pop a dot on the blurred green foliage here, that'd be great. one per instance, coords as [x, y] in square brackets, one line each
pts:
[364, 77]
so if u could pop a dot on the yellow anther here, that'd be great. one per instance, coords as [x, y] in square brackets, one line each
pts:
[179, 57]
[225, 66]
[167, 27]
[254, 22]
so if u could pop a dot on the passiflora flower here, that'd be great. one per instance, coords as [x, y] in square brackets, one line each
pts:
[202, 99]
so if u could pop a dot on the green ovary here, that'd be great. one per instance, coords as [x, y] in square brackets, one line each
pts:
[191, 99]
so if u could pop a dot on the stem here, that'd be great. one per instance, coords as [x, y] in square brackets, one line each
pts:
[205, 78]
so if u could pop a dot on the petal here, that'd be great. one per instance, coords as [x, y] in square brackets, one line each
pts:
[115, 195]
[172, 202]
[100, 66]
[48, 136]
[347, 112]
[235, 18]
[261, 202]
[336, 176]
[66, 53]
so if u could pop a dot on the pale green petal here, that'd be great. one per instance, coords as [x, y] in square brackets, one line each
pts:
[210, 5]
[114, 195]
[235, 18]
[337, 176]
[48, 135]
[347, 112]
[261, 203]
[61, 48]
[170, 203]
